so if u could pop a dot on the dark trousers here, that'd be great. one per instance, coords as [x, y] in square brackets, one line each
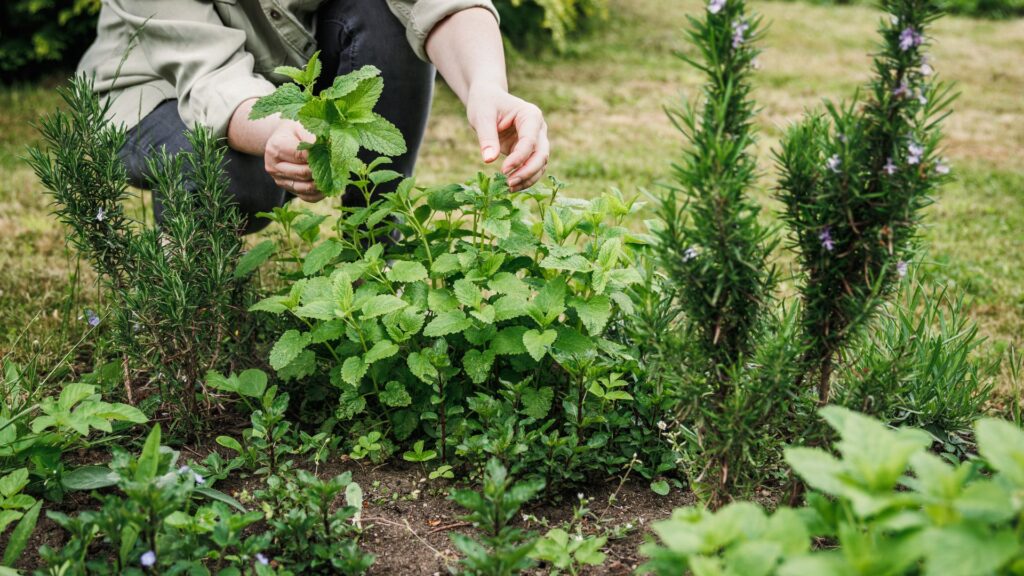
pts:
[350, 34]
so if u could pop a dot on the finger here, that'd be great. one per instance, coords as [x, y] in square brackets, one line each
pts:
[296, 172]
[528, 128]
[307, 191]
[529, 183]
[534, 166]
[486, 126]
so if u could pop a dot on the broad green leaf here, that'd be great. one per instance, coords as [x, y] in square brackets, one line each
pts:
[445, 264]
[218, 496]
[447, 323]
[321, 255]
[405, 272]
[966, 550]
[381, 350]
[20, 535]
[538, 343]
[255, 257]
[395, 395]
[1001, 444]
[421, 367]
[508, 283]
[537, 401]
[365, 96]
[509, 307]
[346, 83]
[382, 304]
[287, 348]
[382, 137]
[444, 199]
[509, 341]
[468, 293]
[323, 174]
[14, 482]
[121, 412]
[353, 370]
[660, 487]
[477, 364]
[441, 301]
[272, 304]
[594, 313]
[252, 383]
[149, 459]
[287, 100]
[89, 478]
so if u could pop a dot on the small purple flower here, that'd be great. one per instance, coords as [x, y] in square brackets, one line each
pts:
[926, 67]
[834, 163]
[148, 559]
[889, 167]
[739, 31]
[910, 38]
[901, 91]
[689, 254]
[716, 6]
[100, 215]
[901, 268]
[941, 167]
[826, 239]
[92, 318]
[915, 151]
[262, 559]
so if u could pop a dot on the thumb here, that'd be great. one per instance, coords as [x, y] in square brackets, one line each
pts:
[486, 127]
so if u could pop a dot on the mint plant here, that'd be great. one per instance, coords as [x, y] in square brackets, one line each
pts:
[890, 505]
[341, 117]
[502, 550]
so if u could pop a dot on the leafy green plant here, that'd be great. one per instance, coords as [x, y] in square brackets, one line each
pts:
[569, 553]
[262, 447]
[16, 506]
[308, 533]
[37, 33]
[889, 505]
[502, 549]
[529, 23]
[173, 290]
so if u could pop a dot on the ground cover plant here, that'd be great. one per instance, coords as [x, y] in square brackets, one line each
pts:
[460, 324]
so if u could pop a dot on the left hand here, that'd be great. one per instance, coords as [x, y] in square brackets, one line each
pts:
[506, 124]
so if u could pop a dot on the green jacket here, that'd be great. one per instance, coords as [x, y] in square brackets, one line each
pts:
[211, 55]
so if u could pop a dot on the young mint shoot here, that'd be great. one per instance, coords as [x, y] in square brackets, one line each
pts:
[341, 117]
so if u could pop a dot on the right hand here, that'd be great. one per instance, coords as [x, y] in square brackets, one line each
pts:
[289, 166]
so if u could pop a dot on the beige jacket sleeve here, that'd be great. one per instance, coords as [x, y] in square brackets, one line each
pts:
[187, 45]
[420, 16]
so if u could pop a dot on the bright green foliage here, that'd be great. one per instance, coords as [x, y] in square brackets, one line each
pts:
[548, 22]
[341, 117]
[16, 507]
[890, 505]
[174, 292]
[309, 533]
[34, 34]
[153, 514]
[569, 553]
[262, 448]
[854, 183]
[503, 549]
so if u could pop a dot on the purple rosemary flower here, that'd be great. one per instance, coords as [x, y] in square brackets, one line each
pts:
[833, 163]
[262, 559]
[901, 268]
[926, 67]
[689, 254]
[889, 167]
[92, 318]
[826, 239]
[739, 31]
[148, 559]
[915, 151]
[100, 215]
[910, 38]
[901, 91]
[941, 167]
[715, 6]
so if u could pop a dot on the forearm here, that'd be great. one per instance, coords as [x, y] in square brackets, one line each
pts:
[250, 136]
[466, 48]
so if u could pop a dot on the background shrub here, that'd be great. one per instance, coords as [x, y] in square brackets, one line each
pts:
[534, 23]
[37, 31]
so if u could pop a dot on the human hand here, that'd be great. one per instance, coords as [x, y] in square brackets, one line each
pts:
[506, 124]
[289, 166]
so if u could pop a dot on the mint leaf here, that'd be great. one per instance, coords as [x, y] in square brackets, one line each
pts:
[381, 350]
[467, 293]
[382, 304]
[421, 367]
[395, 395]
[478, 364]
[287, 348]
[287, 100]
[405, 272]
[320, 256]
[509, 341]
[508, 307]
[450, 322]
[254, 258]
[345, 84]
[353, 370]
[594, 313]
[382, 137]
[538, 343]
[365, 96]
[537, 402]
[320, 165]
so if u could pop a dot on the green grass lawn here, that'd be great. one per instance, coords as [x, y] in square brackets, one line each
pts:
[604, 102]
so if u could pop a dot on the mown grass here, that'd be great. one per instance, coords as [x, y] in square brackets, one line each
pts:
[604, 102]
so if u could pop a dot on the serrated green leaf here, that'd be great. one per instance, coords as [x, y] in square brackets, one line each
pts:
[382, 304]
[594, 313]
[344, 85]
[395, 395]
[382, 137]
[508, 283]
[287, 348]
[353, 370]
[539, 343]
[467, 293]
[364, 97]
[405, 272]
[450, 322]
[477, 364]
[445, 264]
[287, 100]
[509, 307]
[421, 367]
[320, 165]
[509, 341]
[537, 402]
[254, 258]
[380, 351]
[321, 255]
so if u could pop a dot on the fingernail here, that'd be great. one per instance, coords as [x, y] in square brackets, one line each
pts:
[488, 154]
[514, 181]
